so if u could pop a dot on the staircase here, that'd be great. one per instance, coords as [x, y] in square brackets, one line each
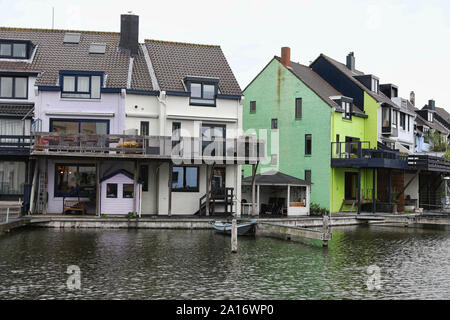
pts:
[217, 199]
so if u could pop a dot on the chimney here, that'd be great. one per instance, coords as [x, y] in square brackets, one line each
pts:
[412, 98]
[351, 61]
[286, 56]
[431, 104]
[129, 33]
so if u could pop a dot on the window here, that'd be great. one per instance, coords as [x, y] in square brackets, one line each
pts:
[252, 106]
[274, 123]
[347, 110]
[274, 159]
[402, 120]
[385, 115]
[394, 118]
[408, 124]
[308, 176]
[85, 85]
[308, 144]
[298, 108]
[351, 185]
[209, 133]
[338, 145]
[79, 126]
[128, 190]
[14, 49]
[185, 179]
[11, 127]
[75, 180]
[12, 177]
[111, 190]
[143, 175]
[13, 87]
[203, 93]
[430, 116]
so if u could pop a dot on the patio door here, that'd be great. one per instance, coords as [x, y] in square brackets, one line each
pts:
[351, 185]
[218, 181]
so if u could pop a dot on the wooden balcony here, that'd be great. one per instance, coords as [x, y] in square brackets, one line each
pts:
[428, 163]
[240, 150]
[358, 154]
[14, 145]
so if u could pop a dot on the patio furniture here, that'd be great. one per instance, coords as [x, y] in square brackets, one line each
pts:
[74, 205]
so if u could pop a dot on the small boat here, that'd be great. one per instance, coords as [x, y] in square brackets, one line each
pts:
[243, 228]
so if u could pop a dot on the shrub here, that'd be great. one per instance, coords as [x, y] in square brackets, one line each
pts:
[131, 215]
[317, 210]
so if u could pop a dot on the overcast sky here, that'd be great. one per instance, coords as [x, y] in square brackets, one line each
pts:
[405, 42]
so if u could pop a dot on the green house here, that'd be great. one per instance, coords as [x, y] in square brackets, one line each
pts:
[310, 124]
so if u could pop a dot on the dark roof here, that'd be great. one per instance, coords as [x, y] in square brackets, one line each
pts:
[443, 114]
[52, 55]
[16, 109]
[120, 171]
[380, 97]
[173, 61]
[275, 177]
[433, 125]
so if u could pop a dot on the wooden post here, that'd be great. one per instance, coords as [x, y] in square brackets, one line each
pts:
[254, 169]
[97, 196]
[33, 186]
[234, 243]
[374, 200]
[208, 185]
[326, 230]
[389, 187]
[169, 208]
[359, 191]
[136, 174]
[44, 209]
[287, 199]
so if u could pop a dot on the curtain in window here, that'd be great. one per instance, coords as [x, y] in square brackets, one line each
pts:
[12, 177]
[11, 127]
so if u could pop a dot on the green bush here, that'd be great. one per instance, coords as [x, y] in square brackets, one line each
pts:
[317, 210]
[131, 215]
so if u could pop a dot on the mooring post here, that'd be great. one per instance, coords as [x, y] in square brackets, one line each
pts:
[234, 243]
[7, 215]
[326, 230]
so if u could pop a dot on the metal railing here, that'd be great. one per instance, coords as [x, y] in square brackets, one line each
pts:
[10, 210]
[150, 146]
[361, 149]
[12, 144]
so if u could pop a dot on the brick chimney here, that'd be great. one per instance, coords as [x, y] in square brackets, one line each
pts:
[412, 98]
[286, 56]
[129, 33]
[431, 104]
[351, 61]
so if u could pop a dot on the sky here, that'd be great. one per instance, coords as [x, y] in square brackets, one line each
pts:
[404, 42]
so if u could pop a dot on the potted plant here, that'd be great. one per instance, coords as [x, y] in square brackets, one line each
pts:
[130, 145]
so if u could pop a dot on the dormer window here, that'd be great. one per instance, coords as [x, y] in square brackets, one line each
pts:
[81, 84]
[430, 116]
[11, 49]
[203, 92]
[375, 85]
[347, 114]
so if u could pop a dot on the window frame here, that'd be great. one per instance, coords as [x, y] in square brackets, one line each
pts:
[12, 43]
[252, 106]
[403, 121]
[347, 114]
[184, 188]
[132, 190]
[58, 194]
[13, 93]
[117, 191]
[203, 83]
[144, 175]
[310, 144]
[272, 121]
[76, 75]
[298, 105]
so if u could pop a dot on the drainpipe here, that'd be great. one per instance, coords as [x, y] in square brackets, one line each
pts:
[162, 118]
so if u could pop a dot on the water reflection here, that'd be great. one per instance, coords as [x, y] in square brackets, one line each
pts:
[181, 264]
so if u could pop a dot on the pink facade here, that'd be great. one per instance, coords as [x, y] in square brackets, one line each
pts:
[118, 205]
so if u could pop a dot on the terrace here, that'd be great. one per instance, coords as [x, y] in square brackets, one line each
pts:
[15, 145]
[240, 150]
[358, 154]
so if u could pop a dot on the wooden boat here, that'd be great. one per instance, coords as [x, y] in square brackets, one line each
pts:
[243, 228]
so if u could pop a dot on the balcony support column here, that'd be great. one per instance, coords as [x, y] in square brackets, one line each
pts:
[390, 186]
[254, 169]
[169, 206]
[374, 200]
[359, 190]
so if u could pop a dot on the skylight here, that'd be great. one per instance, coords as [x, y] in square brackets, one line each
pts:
[97, 48]
[72, 37]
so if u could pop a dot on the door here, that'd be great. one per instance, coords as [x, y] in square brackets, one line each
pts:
[145, 131]
[218, 182]
[351, 185]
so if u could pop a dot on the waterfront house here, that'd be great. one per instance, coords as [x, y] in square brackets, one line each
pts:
[378, 152]
[17, 99]
[105, 102]
[309, 114]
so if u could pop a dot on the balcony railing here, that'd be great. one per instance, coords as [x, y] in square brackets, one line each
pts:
[359, 154]
[14, 145]
[429, 163]
[114, 145]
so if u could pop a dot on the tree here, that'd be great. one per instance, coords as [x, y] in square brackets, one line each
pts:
[437, 142]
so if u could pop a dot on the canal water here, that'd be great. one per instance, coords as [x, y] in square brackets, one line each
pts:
[182, 264]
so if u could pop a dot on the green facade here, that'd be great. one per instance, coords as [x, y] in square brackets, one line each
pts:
[275, 91]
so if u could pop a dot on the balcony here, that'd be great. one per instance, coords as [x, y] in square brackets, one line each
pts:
[15, 145]
[428, 163]
[358, 154]
[240, 150]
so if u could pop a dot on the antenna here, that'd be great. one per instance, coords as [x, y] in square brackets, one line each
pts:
[53, 18]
